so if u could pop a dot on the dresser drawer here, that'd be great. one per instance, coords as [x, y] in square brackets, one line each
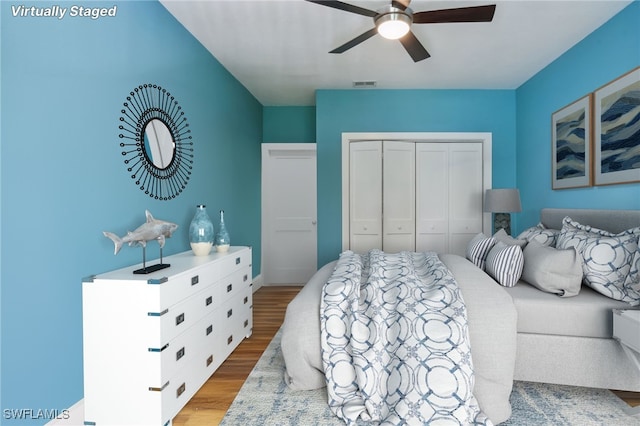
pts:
[179, 353]
[235, 261]
[182, 286]
[168, 324]
[235, 322]
[235, 283]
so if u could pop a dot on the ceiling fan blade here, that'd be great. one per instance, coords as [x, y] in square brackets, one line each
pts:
[346, 7]
[413, 47]
[462, 14]
[362, 37]
[401, 4]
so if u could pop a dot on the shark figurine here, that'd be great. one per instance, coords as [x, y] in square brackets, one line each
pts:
[152, 229]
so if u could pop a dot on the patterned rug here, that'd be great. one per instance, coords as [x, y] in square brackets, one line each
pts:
[265, 400]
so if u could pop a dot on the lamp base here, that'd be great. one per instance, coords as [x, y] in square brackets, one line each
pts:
[502, 221]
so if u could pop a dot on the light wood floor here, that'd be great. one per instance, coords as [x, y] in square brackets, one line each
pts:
[212, 401]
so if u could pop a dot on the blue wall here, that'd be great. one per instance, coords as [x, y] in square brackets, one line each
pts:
[604, 55]
[339, 111]
[288, 124]
[63, 180]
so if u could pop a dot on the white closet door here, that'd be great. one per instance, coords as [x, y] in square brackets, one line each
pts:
[449, 196]
[432, 189]
[466, 189]
[398, 189]
[365, 195]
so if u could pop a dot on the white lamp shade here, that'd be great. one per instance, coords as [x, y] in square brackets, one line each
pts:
[502, 200]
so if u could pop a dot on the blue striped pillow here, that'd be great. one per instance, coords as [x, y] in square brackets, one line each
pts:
[505, 263]
[478, 248]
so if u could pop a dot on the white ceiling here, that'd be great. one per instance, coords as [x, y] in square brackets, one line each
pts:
[278, 49]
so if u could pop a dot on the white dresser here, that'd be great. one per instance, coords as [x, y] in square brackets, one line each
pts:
[151, 341]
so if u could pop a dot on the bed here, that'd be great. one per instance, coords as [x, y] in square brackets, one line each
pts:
[570, 341]
[492, 331]
[516, 333]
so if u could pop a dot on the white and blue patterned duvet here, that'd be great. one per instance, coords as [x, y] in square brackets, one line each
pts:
[395, 344]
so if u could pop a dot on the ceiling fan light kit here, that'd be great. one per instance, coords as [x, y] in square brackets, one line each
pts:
[394, 22]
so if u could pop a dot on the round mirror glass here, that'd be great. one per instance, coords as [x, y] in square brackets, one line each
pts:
[158, 143]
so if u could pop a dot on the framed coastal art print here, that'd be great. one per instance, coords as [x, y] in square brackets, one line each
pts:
[571, 145]
[617, 130]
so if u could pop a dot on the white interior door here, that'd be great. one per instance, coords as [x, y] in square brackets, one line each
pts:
[398, 189]
[365, 200]
[289, 213]
[465, 187]
[432, 186]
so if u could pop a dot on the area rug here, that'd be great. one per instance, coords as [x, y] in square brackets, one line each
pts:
[265, 400]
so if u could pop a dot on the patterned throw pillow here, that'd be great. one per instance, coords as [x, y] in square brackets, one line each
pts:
[505, 263]
[478, 248]
[610, 262]
[540, 233]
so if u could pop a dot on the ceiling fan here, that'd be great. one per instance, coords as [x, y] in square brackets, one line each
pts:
[394, 22]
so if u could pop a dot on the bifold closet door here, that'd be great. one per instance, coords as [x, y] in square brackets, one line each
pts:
[398, 196]
[449, 188]
[365, 196]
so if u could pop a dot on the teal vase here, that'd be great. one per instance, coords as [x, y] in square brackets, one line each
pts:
[201, 235]
[222, 237]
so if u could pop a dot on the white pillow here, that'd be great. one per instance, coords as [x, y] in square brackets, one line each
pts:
[607, 258]
[505, 263]
[478, 248]
[552, 270]
[541, 234]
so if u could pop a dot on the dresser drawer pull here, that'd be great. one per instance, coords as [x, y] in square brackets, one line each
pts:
[195, 280]
[181, 390]
[229, 339]
[246, 323]
[180, 353]
[180, 319]
[229, 313]
[152, 389]
[229, 288]
[237, 260]
[209, 330]
[246, 300]
[209, 300]
[245, 278]
[209, 360]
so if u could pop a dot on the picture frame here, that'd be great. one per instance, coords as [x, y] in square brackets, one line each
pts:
[571, 150]
[617, 130]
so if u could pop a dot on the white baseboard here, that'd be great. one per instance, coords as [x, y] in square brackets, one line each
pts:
[74, 416]
[257, 283]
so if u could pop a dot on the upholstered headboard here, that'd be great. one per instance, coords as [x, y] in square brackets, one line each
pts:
[610, 220]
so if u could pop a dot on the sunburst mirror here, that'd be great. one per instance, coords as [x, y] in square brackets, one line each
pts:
[156, 142]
